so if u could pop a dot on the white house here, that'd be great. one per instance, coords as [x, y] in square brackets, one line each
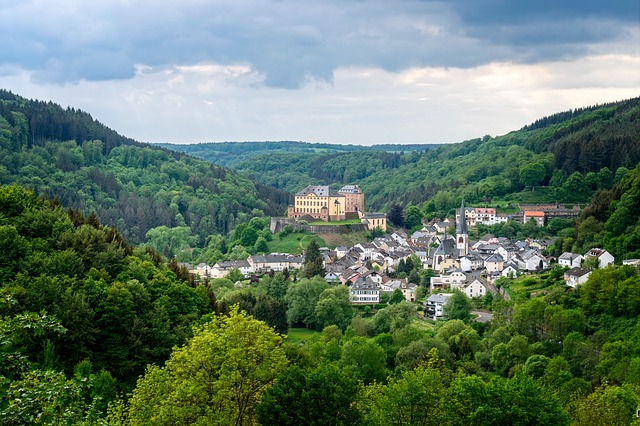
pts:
[604, 257]
[261, 264]
[576, 276]
[435, 303]
[570, 260]
[363, 290]
[509, 271]
[455, 279]
[203, 270]
[475, 289]
[471, 262]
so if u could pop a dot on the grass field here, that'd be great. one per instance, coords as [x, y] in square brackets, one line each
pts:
[298, 335]
[347, 240]
[293, 243]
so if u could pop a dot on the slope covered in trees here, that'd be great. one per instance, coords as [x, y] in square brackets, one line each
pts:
[136, 187]
[85, 318]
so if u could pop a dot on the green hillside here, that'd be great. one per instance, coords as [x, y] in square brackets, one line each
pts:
[229, 154]
[137, 187]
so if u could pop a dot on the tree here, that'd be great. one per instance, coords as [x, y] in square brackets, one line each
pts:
[608, 405]
[413, 217]
[302, 298]
[334, 307]
[261, 245]
[418, 397]
[220, 373]
[396, 215]
[520, 400]
[396, 297]
[313, 261]
[235, 275]
[322, 396]
[532, 174]
[167, 241]
[458, 307]
[364, 360]
[394, 317]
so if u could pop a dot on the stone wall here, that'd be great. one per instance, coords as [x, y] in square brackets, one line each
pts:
[278, 223]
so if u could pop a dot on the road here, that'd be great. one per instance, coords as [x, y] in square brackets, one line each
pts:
[483, 316]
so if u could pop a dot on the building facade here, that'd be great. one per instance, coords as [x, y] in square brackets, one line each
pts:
[353, 198]
[322, 203]
[319, 202]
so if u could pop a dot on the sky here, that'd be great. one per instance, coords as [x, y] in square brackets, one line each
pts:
[334, 71]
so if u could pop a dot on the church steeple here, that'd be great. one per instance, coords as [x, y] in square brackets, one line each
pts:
[462, 233]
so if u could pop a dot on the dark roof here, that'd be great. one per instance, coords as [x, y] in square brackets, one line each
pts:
[319, 190]
[461, 226]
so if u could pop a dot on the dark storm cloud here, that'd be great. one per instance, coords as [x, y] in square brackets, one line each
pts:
[291, 41]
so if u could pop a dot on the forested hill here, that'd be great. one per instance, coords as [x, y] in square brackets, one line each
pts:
[137, 187]
[562, 158]
[229, 154]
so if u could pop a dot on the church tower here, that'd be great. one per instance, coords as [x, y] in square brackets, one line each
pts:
[462, 234]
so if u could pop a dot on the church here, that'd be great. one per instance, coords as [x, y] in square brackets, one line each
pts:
[451, 248]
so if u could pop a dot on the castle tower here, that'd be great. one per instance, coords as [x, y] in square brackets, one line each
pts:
[462, 233]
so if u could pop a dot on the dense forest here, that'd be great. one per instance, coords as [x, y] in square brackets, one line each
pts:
[66, 154]
[94, 331]
[228, 154]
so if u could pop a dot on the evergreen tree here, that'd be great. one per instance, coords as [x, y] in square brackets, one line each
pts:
[396, 215]
[313, 261]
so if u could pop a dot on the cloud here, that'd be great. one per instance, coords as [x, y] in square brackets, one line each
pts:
[362, 105]
[288, 42]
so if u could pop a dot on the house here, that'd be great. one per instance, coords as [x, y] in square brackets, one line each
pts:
[570, 260]
[331, 278]
[475, 288]
[486, 215]
[604, 257]
[409, 291]
[494, 263]
[509, 271]
[340, 251]
[221, 269]
[454, 279]
[367, 250]
[373, 220]
[535, 261]
[576, 276]
[189, 267]
[441, 227]
[262, 264]
[400, 237]
[203, 270]
[364, 290]
[537, 216]
[471, 262]
[435, 303]
[353, 198]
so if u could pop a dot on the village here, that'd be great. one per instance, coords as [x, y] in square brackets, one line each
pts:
[370, 269]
